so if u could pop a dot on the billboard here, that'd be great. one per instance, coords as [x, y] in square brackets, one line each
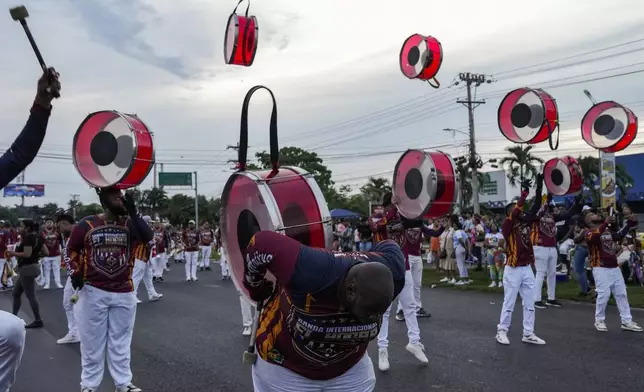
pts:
[494, 188]
[24, 190]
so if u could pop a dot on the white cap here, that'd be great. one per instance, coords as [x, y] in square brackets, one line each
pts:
[147, 218]
[191, 221]
[585, 208]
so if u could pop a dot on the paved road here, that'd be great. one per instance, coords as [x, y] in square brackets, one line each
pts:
[191, 341]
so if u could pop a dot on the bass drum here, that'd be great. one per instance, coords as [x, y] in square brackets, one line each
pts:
[528, 115]
[609, 127]
[425, 184]
[563, 176]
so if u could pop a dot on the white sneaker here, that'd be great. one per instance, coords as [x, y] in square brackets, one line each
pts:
[246, 331]
[46, 287]
[600, 325]
[188, 280]
[88, 390]
[493, 284]
[502, 337]
[59, 286]
[533, 339]
[460, 283]
[129, 388]
[138, 301]
[68, 339]
[418, 350]
[444, 280]
[631, 326]
[194, 279]
[156, 297]
[383, 359]
[452, 281]
[500, 284]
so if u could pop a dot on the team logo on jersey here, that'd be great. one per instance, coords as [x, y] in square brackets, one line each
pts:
[110, 246]
[413, 235]
[51, 238]
[547, 225]
[192, 238]
[608, 243]
[524, 234]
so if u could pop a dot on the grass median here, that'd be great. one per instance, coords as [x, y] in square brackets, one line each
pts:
[565, 290]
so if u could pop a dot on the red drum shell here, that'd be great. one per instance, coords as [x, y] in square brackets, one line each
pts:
[289, 198]
[563, 176]
[240, 42]
[132, 160]
[528, 115]
[421, 57]
[609, 138]
[425, 184]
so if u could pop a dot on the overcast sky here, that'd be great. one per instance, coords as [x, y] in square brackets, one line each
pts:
[327, 61]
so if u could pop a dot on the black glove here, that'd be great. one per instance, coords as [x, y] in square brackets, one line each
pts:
[539, 180]
[77, 281]
[261, 292]
[129, 204]
[411, 223]
[526, 184]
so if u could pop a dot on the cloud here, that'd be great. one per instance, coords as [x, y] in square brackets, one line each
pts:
[327, 61]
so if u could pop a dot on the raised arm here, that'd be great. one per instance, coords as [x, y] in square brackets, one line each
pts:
[538, 198]
[75, 248]
[508, 223]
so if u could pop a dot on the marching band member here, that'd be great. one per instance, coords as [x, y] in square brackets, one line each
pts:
[381, 217]
[5, 260]
[143, 270]
[408, 234]
[206, 237]
[161, 245]
[191, 251]
[315, 329]
[51, 263]
[544, 241]
[22, 152]
[518, 278]
[101, 260]
[608, 277]
[65, 226]
[247, 315]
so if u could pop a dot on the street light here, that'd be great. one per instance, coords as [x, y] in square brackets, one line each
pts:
[454, 131]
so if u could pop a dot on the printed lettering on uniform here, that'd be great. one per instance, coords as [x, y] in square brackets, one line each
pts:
[413, 235]
[608, 243]
[192, 238]
[524, 234]
[328, 338]
[256, 264]
[206, 236]
[110, 249]
[547, 225]
[51, 239]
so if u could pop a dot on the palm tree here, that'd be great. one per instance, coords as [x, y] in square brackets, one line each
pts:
[464, 171]
[375, 188]
[521, 164]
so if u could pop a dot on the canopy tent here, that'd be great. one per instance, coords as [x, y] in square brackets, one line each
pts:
[339, 213]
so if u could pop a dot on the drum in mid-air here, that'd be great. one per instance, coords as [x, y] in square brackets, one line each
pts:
[563, 176]
[421, 58]
[529, 115]
[609, 126]
[241, 38]
[425, 184]
[287, 200]
[113, 149]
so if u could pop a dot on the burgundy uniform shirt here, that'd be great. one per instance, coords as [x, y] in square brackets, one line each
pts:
[52, 242]
[602, 245]
[516, 231]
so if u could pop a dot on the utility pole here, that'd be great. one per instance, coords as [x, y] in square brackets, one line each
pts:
[75, 198]
[156, 177]
[22, 182]
[196, 202]
[476, 80]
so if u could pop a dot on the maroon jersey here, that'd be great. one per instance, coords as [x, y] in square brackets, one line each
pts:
[411, 240]
[5, 240]
[159, 240]
[516, 231]
[103, 253]
[206, 237]
[191, 240]
[378, 223]
[603, 244]
[52, 242]
[13, 234]
[303, 327]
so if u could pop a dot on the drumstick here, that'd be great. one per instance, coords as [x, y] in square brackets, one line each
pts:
[250, 356]
[20, 14]
[74, 298]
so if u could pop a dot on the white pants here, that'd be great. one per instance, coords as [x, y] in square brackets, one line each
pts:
[68, 292]
[518, 280]
[545, 259]
[191, 264]
[223, 263]
[105, 321]
[406, 298]
[607, 281]
[416, 268]
[246, 311]
[12, 344]
[4, 262]
[461, 254]
[51, 264]
[143, 272]
[206, 251]
[158, 264]
[273, 378]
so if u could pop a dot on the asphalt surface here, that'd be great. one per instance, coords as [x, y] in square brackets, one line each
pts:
[191, 341]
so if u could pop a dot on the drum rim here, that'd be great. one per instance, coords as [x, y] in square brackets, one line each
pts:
[269, 202]
[457, 181]
[323, 207]
[252, 57]
[626, 110]
[543, 104]
[402, 48]
[235, 41]
[153, 159]
[440, 49]
[393, 186]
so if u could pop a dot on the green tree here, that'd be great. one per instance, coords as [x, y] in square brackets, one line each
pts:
[464, 172]
[590, 168]
[520, 164]
[375, 189]
[154, 200]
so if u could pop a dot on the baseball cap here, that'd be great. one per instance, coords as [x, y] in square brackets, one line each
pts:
[147, 219]
[585, 208]
[191, 221]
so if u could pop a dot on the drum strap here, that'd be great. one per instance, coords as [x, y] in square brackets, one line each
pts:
[243, 131]
[551, 131]
[238, 4]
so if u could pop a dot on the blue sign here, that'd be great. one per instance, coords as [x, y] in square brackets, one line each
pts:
[24, 190]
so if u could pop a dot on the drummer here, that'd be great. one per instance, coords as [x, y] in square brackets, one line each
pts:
[314, 332]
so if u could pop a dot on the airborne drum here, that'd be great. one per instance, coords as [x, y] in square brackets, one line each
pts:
[113, 149]
[563, 176]
[287, 200]
[421, 58]
[609, 127]
[529, 115]
[425, 184]
[240, 41]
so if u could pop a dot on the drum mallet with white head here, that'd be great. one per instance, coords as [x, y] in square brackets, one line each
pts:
[250, 356]
[20, 14]
[74, 298]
